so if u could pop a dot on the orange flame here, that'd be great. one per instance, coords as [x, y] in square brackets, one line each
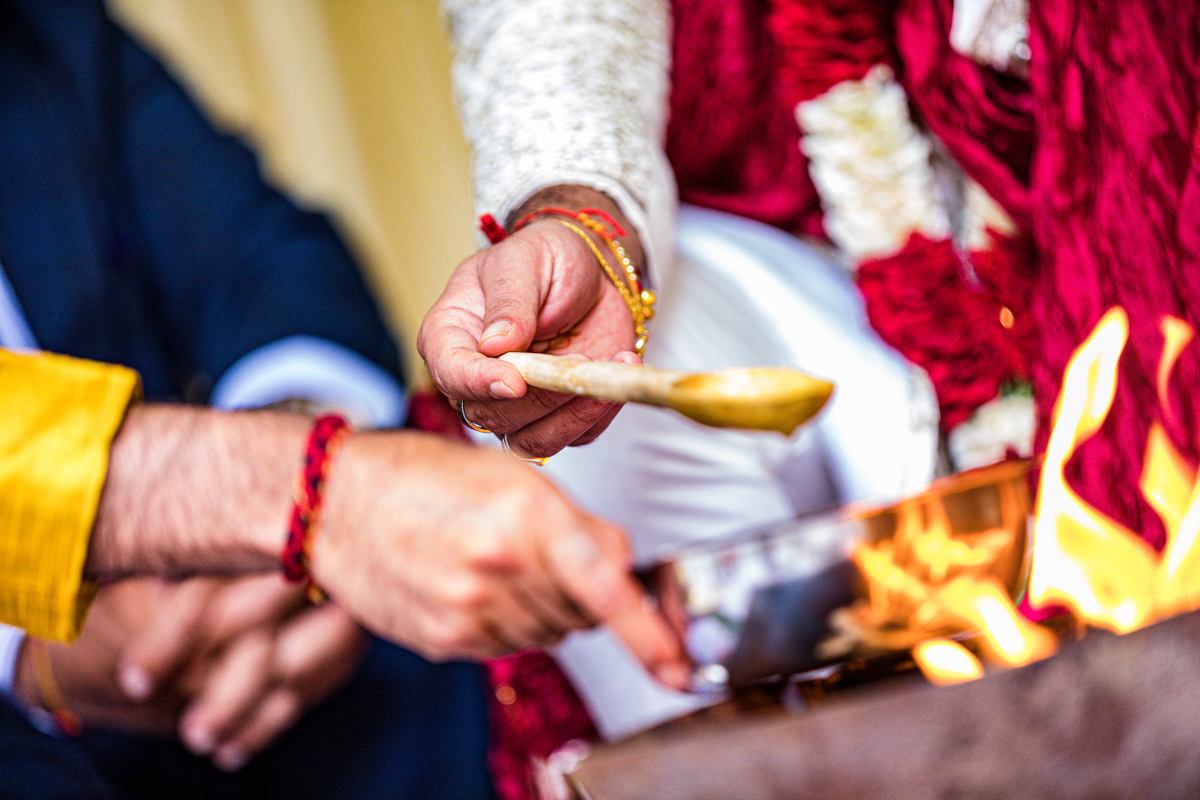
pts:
[1081, 558]
[1098, 568]
[1105, 574]
[945, 662]
[1008, 638]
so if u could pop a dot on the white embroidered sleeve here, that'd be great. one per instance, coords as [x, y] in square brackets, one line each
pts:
[554, 93]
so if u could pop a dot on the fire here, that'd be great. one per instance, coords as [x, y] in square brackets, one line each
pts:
[1007, 637]
[945, 662]
[928, 584]
[1081, 558]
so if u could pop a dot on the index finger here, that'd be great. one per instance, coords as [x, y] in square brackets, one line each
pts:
[591, 565]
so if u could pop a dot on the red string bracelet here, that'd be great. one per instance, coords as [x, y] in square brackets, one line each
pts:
[327, 433]
[495, 232]
[65, 721]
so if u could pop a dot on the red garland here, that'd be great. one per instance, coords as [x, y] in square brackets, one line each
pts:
[922, 300]
[921, 303]
[328, 430]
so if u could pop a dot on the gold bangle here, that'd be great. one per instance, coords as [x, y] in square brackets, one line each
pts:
[640, 301]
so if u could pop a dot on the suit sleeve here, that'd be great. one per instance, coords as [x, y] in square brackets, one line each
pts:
[237, 265]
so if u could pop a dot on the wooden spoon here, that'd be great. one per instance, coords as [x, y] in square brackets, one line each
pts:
[763, 398]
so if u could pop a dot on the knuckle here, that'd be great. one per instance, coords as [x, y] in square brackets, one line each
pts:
[534, 444]
[491, 550]
[584, 413]
[450, 639]
[606, 592]
[545, 401]
[534, 501]
[288, 706]
[439, 643]
[468, 594]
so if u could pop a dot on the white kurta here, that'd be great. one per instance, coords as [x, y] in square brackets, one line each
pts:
[555, 93]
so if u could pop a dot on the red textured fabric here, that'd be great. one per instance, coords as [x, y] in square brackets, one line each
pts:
[1116, 185]
[945, 315]
[732, 139]
[544, 714]
[983, 117]
[822, 44]
[1095, 156]
[1098, 156]
[429, 410]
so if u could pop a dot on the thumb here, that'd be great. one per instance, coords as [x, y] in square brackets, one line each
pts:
[510, 277]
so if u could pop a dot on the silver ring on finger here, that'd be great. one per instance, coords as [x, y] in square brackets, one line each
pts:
[508, 448]
[462, 414]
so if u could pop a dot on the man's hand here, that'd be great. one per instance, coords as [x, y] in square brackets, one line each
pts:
[448, 549]
[540, 289]
[229, 664]
[465, 552]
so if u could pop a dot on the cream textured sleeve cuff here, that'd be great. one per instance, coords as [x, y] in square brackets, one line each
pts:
[558, 93]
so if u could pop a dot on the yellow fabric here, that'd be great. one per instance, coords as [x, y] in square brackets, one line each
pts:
[58, 417]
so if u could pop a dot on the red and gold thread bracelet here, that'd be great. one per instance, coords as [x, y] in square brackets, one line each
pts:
[327, 433]
[637, 297]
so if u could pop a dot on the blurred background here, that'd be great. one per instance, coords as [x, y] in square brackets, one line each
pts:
[349, 106]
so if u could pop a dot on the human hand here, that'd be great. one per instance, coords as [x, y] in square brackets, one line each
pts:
[85, 671]
[457, 551]
[249, 656]
[540, 289]
[229, 664]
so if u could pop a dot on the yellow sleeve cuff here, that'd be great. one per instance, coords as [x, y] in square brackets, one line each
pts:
[58, 417]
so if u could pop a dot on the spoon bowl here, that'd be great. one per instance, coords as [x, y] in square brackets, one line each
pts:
[761, 398]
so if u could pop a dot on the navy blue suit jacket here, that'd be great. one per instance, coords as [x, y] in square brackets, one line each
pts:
[134, 233]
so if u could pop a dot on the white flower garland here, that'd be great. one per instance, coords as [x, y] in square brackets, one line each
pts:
[873, 169]
[871, 166]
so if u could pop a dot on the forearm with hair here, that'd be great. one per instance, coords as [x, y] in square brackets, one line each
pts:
[193, 490]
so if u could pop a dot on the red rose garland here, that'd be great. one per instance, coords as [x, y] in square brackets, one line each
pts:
[962, 317]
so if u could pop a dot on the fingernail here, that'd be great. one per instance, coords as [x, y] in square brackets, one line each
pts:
[198, 739]
[499, 328]
[674, 674]
[230, 759]
[135, 683]
[500, 390]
